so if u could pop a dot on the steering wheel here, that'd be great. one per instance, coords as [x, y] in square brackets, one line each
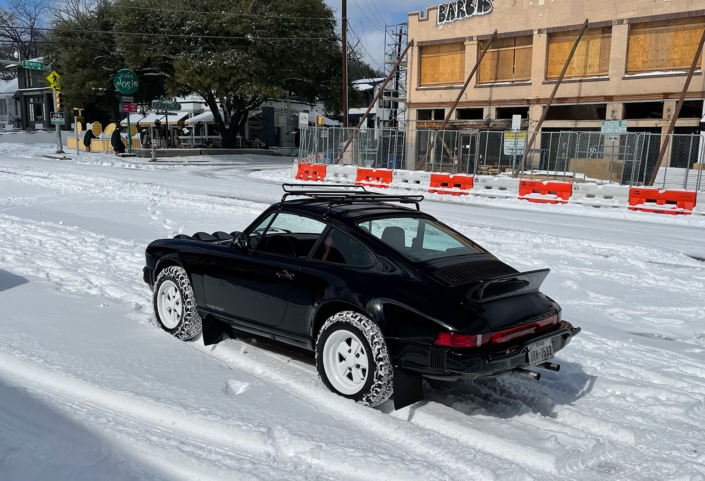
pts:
[281, 245]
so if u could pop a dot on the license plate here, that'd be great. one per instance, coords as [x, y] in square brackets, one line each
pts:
[540, 352]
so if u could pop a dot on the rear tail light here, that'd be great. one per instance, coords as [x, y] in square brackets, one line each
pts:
[478, 340]
[462, 340]
[525, 330]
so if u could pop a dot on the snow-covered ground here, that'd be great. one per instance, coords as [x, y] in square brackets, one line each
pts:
[91, 389]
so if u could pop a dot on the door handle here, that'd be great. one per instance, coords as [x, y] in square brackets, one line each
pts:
[285, 275]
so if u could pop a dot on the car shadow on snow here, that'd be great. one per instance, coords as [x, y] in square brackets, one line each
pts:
[511, 395]
[9, 280]
[503, 397]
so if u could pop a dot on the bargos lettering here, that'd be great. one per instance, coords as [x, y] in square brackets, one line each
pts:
[462, 9]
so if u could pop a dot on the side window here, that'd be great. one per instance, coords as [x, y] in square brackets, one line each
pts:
[291, 235]
[340, 248]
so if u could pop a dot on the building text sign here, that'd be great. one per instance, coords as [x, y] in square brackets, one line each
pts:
[462, 9]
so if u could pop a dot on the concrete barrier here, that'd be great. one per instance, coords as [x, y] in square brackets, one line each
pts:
[700, 204]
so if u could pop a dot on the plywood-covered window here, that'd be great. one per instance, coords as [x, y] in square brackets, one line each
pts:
[443, 64]
[591, 58]
[507, 60]
[664, 46]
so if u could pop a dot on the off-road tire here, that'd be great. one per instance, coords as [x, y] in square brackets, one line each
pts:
[379, 385]
[190, 325]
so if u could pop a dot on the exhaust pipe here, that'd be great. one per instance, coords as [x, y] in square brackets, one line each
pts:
[526, 373]
[551, 366]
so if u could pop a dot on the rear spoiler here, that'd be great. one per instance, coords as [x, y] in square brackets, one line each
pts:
[507, 285]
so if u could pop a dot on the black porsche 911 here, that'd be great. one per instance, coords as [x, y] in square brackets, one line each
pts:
[384, 294]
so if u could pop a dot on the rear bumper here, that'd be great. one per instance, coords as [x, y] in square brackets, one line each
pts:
[451, 364]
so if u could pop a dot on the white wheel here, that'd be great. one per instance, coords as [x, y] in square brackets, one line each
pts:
[169, 304]
[352, 358]
[345, 362]
[175, 304]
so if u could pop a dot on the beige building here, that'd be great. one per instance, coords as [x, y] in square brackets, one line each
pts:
[630, 65]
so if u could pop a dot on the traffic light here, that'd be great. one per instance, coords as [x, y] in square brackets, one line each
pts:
[59, 100]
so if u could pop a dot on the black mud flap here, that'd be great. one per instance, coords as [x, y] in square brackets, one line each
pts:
[408, 388]
[214, 331]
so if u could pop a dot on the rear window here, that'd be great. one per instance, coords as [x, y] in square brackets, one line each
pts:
[419, 239]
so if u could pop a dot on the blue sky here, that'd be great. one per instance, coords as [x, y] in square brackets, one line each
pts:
[367, 20]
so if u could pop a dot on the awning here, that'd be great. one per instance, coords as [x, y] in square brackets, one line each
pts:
[134, 118]
[174, 118]
[207, 117]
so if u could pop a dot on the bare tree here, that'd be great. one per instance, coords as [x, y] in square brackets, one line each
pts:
[18, 25]
[66, 10]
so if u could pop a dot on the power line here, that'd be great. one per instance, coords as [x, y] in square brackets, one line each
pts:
[174, 35]
[374, 24]
[228, 14]
[185, 46]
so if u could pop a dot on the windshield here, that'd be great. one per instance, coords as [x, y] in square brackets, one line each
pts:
[419, 239]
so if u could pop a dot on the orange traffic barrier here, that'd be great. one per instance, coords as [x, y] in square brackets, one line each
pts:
[662, 201]
[374, 177]
[450, 184]
[545, 192]
[316, 172]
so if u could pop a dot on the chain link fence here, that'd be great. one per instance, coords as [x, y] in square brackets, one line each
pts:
[626, 159]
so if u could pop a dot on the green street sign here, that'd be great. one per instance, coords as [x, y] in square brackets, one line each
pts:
[126, 81]
[163, 104]
[33, 64]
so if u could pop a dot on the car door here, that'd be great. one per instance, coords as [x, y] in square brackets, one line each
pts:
[253, 284]
[338, 267]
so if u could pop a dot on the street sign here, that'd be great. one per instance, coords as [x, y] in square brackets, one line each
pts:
[303, 119]
[128, 108]
[57, 118]
[614, 127]
[514, 143]
[33, 64]
[164, 104]
[53, 79]
[127, 99]
[126, 81]
[516, 122]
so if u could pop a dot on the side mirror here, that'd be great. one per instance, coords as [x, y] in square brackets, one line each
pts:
[242, 241]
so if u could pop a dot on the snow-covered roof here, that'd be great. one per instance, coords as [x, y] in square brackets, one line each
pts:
[206, 117]
[326, 120]
[8, 86]
[134, 118]
[174, 117]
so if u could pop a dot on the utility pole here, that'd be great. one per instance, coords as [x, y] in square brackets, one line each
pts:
[345, 61]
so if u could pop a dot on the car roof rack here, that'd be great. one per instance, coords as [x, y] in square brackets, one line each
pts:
[344, 194]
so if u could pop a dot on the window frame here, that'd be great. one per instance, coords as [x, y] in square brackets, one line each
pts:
[396, 215]
[514, 48]
[325, 234]
[447, 83]
[276, 214]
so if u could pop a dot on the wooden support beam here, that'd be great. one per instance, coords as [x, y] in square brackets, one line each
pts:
[460, 95]
[371, 106]
[550, 101]
[677, 113]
